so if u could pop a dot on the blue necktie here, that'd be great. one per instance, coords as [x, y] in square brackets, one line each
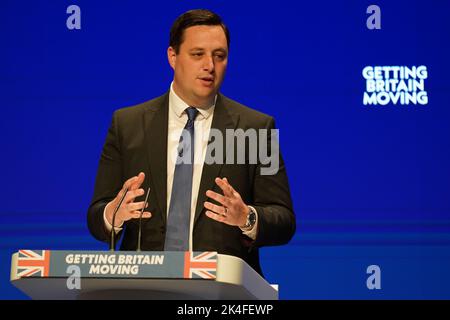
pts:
[178, 221]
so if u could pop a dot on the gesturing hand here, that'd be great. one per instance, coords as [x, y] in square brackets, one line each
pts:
[128, 209]
[233, 210]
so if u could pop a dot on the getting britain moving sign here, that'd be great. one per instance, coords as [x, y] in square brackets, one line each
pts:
[395, 85]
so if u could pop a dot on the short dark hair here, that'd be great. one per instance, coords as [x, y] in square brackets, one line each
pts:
[192, 18]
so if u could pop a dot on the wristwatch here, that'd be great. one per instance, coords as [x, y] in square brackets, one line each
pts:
[251, 220]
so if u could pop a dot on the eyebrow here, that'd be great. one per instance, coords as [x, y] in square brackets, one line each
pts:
[221, 49]
[196, 49]
[203, 49]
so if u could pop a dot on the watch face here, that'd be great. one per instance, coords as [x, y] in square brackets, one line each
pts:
[251, 218]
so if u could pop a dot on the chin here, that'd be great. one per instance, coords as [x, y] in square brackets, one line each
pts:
[206, 93]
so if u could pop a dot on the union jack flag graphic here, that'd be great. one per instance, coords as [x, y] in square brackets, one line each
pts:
[33, 263]
[200, 265]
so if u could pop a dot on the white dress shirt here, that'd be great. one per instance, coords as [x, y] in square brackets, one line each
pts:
[202, 125]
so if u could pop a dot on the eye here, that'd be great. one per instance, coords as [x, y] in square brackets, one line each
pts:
[220, 56]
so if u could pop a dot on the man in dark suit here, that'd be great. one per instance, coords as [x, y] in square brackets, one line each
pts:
[190, 206]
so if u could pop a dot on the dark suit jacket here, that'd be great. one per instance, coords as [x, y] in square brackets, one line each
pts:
[137, 141]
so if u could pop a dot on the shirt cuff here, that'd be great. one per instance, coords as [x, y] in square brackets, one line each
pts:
[108, 225]
[251, 233]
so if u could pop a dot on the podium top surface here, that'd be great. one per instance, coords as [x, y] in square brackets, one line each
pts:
[51, 274]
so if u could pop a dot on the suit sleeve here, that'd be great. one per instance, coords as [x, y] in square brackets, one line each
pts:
[272, 198]
[108, 182]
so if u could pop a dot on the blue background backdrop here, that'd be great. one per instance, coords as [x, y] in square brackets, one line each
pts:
[371, 184]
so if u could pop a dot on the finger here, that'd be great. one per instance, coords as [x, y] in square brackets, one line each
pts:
[226, 181]
[219, 198]
[215, 208]
[233, 192]
[214, 216]
[129, 182]
[132, 194]
[224, 186]
[125, 186]
[138, 182]
[137, 214]
[136, 206]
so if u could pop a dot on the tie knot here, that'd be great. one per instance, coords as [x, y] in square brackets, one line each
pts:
[191, 113]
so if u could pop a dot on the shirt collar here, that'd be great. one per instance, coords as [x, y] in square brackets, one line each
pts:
[178, 105]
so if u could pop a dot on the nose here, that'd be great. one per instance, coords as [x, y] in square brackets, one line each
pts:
[208, 63]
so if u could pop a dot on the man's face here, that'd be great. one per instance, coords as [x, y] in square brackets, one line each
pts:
[199, 67]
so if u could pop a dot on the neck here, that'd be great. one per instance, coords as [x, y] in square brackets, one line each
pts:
[195, 102]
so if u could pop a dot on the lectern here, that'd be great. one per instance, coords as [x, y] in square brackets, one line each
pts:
[51, 274]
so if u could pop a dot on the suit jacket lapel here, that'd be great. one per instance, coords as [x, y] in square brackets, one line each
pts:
[222, 120]
[156, 120]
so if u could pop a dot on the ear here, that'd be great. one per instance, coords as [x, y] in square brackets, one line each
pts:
[172, 57]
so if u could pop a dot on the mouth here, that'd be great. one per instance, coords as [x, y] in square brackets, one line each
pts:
[207, 81]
